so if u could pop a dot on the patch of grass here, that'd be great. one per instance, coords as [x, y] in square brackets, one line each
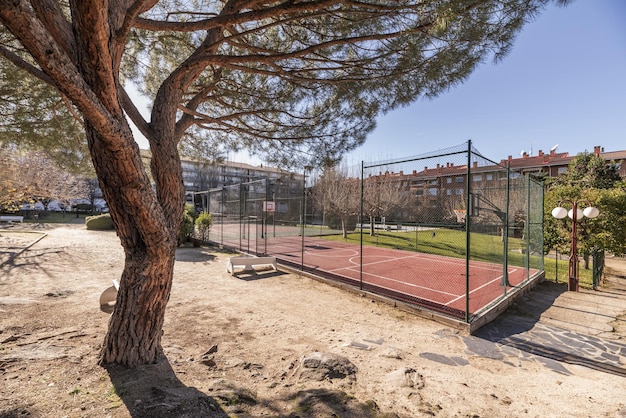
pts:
[557, 271]
[114, 398]
[55, 218]
[111, 393]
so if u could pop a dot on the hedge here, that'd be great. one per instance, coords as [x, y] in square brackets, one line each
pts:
[99, 222]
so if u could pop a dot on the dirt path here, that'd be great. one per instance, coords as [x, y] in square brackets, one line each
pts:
[276, 345]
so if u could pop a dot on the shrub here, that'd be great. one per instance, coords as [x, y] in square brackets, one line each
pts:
[99, 222]
[204, 223]
[191, 211]
[187, 227]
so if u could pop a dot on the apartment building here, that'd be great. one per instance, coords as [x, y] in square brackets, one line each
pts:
[201, 176]
[443, 186]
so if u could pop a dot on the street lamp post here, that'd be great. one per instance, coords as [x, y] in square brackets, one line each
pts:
[575, 213]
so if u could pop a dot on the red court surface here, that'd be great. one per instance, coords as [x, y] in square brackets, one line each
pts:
[436, 282]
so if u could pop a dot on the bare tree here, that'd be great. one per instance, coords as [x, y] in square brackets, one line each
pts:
[30, 177]
[382, 196]
[12, 192]
[339, 196]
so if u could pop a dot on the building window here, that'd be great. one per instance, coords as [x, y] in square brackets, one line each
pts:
[432, 191]
[459, 191]
[460, 179]
[477, 177]
[449, 192]
[449, 180]
[561, 170]
[489, 177]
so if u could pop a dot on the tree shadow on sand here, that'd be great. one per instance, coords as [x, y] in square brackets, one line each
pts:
[155, 391]
[194, 255]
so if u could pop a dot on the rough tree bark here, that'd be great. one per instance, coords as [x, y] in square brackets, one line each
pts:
[135, 329]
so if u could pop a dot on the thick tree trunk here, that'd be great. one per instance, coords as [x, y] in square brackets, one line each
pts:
[147, 226]
[135, 328]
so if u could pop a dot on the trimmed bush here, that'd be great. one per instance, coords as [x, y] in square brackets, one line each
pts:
[99, 222]
[203, 224]
[186, 228]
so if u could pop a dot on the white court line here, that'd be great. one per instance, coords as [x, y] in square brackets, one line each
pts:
[480, 287]
[457, 297]
[397, 281]
[483, 265]
[479, 265]
[354, 253]
[413, 285]
[408, 294]
[386, 260]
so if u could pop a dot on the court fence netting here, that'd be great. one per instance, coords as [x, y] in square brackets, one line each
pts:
[449, 231]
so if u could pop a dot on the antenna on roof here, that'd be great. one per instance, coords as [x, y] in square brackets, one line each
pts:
[554, 147]
[522, 152]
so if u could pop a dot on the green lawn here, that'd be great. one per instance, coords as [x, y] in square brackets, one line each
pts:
[55, 218]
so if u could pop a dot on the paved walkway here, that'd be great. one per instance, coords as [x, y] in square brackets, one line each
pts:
[586, 328]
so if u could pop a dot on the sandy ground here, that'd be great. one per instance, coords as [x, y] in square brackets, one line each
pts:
[274, 344]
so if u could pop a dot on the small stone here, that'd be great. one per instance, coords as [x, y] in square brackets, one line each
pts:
[209, 361]
[360, 346]
[320, 366]
[211, 350]
[391, 352]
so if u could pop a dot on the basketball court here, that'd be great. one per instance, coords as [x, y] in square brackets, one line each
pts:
[433, 281]
[486, 222]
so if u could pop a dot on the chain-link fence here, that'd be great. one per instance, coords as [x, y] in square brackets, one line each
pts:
[451, 230]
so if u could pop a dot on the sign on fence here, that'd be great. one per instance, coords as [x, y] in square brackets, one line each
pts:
[269, 206]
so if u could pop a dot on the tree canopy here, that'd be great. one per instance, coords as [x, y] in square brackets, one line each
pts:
[297, 81]
[35, 117]
[276, 77]
[589, 181]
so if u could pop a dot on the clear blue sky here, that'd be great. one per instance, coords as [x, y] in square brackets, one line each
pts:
[563, 83]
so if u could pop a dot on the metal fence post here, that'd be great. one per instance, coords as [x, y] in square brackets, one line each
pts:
[505, 232]
[361, 230]
[467, 229]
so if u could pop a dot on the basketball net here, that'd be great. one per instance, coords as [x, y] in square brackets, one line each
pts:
[460, 215]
